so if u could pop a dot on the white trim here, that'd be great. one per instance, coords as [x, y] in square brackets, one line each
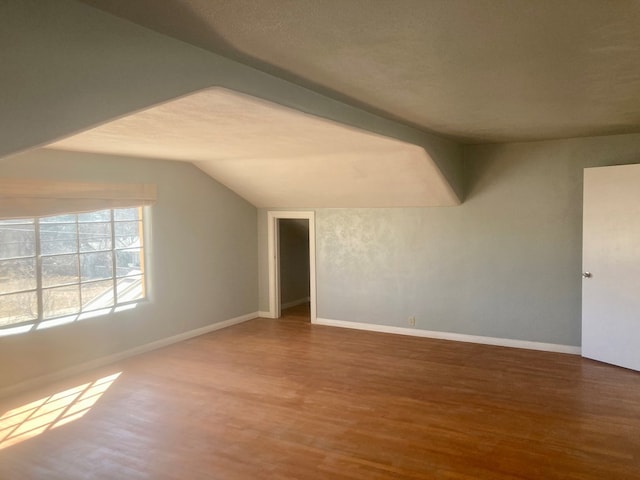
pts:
[295, 303]
[458, 337]
[272, 244]
[116, 357]
[264, 314]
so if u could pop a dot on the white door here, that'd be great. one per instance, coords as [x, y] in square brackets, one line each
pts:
[611, 265]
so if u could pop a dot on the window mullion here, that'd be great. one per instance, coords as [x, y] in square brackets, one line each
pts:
[78, 264]
[141, 231]
[39, 271]
[113, 258]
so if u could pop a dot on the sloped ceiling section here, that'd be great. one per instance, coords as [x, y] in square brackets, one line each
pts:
[475, 70]
[67, 67]
[274, 156]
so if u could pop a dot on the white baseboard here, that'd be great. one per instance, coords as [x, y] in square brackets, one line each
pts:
[265, 315]
[116, 357]
[294, 303]
[458, 337]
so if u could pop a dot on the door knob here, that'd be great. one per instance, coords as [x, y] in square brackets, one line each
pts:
[586, 275]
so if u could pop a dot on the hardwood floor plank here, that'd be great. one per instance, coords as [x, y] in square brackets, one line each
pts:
[284, 399]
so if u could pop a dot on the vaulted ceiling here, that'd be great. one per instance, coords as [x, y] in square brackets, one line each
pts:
[319, 85]
[271, 155]
[473, 70]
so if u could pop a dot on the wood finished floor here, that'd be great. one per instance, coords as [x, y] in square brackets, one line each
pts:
[283, 399]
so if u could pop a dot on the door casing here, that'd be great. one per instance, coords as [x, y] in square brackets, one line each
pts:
[274, 259]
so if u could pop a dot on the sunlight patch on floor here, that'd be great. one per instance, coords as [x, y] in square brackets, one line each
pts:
[34, 418]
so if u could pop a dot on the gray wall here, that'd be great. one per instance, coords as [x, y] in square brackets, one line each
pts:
[505, 264]
[202, 265]
[294, 260]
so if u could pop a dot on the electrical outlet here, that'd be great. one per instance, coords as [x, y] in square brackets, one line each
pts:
[412, 321]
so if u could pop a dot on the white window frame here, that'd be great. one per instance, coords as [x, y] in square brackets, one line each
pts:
[23, 326]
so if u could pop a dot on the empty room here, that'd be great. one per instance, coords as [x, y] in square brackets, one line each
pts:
[351, 239]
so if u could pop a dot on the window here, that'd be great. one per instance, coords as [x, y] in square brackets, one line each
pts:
[65, 265]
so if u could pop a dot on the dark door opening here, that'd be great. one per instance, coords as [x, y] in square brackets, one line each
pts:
[294, 275]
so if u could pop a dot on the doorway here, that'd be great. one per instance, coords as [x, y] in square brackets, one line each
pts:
[290, 283]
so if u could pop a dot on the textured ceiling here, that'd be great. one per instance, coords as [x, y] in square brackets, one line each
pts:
[274, 156]
[474, 70]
